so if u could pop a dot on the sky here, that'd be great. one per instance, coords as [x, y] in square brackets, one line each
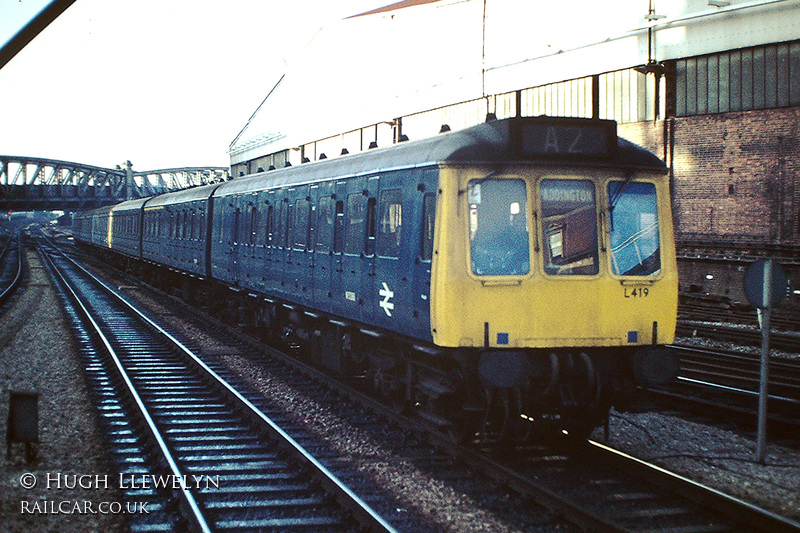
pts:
[161, 83]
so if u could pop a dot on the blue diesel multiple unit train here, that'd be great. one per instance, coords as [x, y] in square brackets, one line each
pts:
[515, 277]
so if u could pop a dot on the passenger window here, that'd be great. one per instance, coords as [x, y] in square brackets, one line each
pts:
[270, 225]
[354, 225]
[569, 226]
[301, 224]
[338, 228]
[369, 244]
[237, 225]
[325, 218]
[498, 227]
[428, 219]
[633, 221]
[253, 224]
[391, 222]
[201, 233]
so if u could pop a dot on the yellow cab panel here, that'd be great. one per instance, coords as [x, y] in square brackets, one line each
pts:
[547, 257]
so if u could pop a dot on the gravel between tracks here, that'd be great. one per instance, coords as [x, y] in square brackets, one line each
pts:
[36, 353]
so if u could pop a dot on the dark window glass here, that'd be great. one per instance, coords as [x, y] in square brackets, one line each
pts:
[569, 227]
[325, 218]
[760, 77]
[498, 227]
[369, 243]
[635, 249]
[391, 222]
[253, 224]
[237, 225]
[302, 212]
[354, 225]
[428, 220]
[268, 234]
[338, 228]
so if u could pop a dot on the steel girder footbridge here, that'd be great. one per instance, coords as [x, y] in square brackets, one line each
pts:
[37, 184]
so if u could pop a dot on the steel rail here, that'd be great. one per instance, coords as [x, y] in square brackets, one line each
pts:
[344, 495]
[6, 294]
[575, 513]
[733, 507]
[188, 497]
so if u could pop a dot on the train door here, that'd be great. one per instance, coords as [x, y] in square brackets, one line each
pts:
[324, 262]
[391, 291]
[405, 217]
[421, 223]
[235, 242]
[270, 241]
[281, 252]
[354, 258]
[341, 298]
[300, 259]
[369, 286]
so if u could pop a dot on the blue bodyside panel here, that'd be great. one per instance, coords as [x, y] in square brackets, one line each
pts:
[315, 245]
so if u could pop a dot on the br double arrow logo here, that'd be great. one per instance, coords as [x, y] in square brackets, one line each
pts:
[387, 295]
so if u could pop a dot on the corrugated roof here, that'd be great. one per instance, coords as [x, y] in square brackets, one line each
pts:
[396, 6]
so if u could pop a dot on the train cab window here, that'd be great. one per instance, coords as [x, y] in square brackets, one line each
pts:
[428, 219]
[569, 226]
[391, 222]
[498, 227]
[633, 225]
[354, 224]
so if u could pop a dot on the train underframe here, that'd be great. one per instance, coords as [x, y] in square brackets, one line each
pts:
[472, 395]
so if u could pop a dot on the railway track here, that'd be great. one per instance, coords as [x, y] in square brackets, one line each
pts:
[173, 421]
[743, 335]
[10, 267]
[726, 383]
[592, 487]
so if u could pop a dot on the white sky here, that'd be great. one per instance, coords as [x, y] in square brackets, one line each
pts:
[162, 83]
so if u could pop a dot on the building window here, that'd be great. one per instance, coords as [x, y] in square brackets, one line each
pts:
[762, 77]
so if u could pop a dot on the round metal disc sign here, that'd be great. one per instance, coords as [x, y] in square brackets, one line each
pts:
[765, 283]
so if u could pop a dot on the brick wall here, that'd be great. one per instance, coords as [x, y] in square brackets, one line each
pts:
[736, 176]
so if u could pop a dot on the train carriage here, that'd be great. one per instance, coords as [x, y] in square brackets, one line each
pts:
[126, 227]
[502, 280]
[175, 228]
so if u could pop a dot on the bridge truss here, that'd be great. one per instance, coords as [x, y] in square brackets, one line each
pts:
[37, 184]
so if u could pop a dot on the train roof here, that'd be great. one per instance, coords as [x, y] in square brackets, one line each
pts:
[187, 195]
[499, 142]
[129, 205]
